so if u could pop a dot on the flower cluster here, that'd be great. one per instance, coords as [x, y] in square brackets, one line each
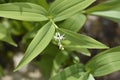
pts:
[58, 37]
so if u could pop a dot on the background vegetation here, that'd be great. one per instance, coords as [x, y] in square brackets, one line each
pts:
[16, 35]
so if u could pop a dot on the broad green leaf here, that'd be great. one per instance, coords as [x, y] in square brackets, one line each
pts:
[112, 15]
[80, 41]
[75, 47]
[23, 11]
[62, 9]
[79, 76]
[105, 6]
[43, 3]
[17, 0]
[74, 23]
[109, 9]
[105, 62]
[38, 44]
[6, 36]
[83, 51]
[74, 72]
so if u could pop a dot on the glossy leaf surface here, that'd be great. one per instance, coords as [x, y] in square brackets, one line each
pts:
[109, 9]
[74, 72]
[105, 6]
[112, 15]
[105, 62]
[83, 51]
[80, 41]
[74, 23]
[38, 44]
[60, 11]
[23, 11]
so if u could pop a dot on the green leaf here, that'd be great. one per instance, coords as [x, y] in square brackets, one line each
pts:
[105, 6]
[75, 47]
[83, 51]
[6, 36]
[16, 0]
[112, 15]
[38, 44]
[23, 11]
[105, 62]
[62, 9]
[91, 77]
[75, 58]
[74, 72]
[80, 41]
[74, 23]
[109, 9]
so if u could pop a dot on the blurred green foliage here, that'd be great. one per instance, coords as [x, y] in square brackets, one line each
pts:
[31, 25]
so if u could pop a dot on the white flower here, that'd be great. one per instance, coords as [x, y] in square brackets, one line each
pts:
[58, 37]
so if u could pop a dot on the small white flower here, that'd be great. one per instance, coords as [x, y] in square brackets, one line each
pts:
[58, 37]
